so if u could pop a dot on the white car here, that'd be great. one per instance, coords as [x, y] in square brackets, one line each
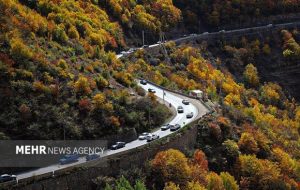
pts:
[6, 177]
[152, 137]
[124, 52]
[190, 115]
[185, 102]
[180, 109]
[131, 50]
[143, 136]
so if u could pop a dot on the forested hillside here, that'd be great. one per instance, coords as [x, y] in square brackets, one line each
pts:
[60, 77]
[254, 136]
[57, 73]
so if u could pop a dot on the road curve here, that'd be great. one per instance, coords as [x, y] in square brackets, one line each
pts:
[195, 106]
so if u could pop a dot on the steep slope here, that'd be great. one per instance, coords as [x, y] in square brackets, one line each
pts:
[58, 77]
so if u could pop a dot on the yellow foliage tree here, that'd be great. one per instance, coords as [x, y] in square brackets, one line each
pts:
[171, 165]
[248, 144]
[288, 165]
[99, 100]
[229, 181]
[171, 186]
[251, 75]
[214, 182]
[194, 185]
[82, 85]
[73, 33]
[19, 50]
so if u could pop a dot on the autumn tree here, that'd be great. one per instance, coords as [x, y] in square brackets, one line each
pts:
[145, 20]
[231, 150]
[99, 100]
[288, 165]
[166, 12]
[59, 34]
[200, 160]
[82, 85]
[101, 82]
[85, 105]
[19, 50]
[215, 182]
[25, 112]
[248, 144]
[251, 75]
[194, 185]
[270, 93]
[73, 33]
[266, 49]
[199, 167]
[171, 186]
[62, 64]
[170, 165]
[229, 181]
[262, 174]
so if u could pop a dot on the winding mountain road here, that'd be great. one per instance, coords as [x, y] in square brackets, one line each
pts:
[175, 100]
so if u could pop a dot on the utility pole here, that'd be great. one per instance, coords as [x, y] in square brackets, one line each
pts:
[64, 132]
[162, 44]
[149, 115]
[143, 36]
[164, 96]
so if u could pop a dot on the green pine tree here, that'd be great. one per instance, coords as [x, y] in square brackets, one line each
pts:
[139, 185]
[123, 184]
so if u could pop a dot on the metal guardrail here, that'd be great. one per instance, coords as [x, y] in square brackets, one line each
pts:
[237, 32]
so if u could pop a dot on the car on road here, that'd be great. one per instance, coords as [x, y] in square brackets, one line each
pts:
[222, 31]
[143, 82]
[143, 136]
[131, 50]
[69, 158]
[204, 33]
[124, 52]
[190, 115]
[269, 25]
[6, 177]
[165, 127]
[118, 145]
[152, 137]
[175, 127]
[193, 34]
[180, 109]
[151, 90]
[92, 157]
[185, 102]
